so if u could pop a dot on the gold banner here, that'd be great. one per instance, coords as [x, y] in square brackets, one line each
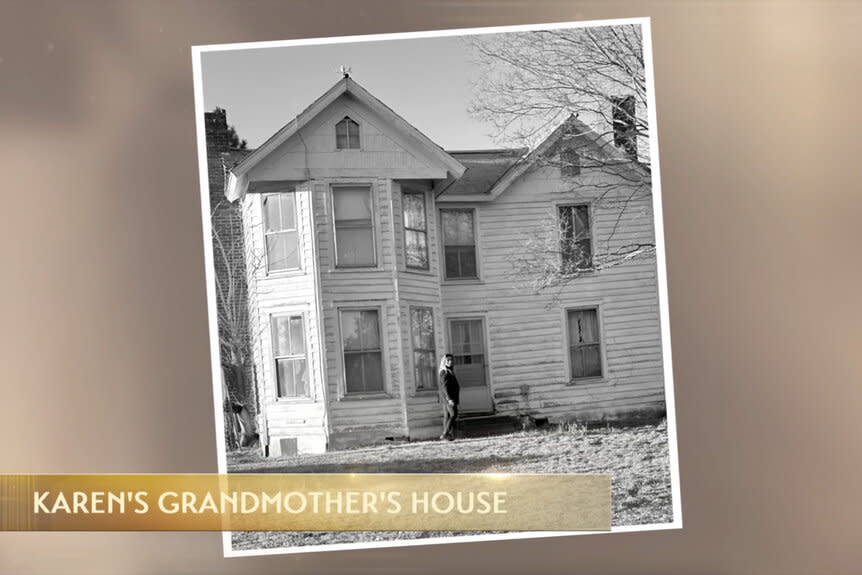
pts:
[305, 502]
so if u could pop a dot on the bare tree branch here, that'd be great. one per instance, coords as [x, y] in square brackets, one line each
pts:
[530, 84]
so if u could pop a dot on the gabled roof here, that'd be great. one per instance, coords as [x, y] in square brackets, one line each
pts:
[507, 170]
[238, 181]
[484, 169]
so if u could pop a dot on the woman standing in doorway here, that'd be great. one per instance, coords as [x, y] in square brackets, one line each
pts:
[449, 393]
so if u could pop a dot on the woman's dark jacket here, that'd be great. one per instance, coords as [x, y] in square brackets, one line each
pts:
[449, 388]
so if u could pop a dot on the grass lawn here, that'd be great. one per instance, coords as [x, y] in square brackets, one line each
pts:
[636, 458]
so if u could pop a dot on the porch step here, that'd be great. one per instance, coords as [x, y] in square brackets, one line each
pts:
[486, 425]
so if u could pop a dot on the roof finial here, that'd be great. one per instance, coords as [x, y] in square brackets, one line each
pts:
[345, 71]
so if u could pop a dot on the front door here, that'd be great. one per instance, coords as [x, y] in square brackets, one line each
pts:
[467, 345]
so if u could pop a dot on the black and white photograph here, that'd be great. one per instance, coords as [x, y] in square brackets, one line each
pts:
[439, 252]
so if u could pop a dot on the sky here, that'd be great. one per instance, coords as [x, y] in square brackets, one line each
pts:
[427, 81]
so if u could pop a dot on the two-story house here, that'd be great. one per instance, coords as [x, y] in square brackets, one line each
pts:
[371, 251]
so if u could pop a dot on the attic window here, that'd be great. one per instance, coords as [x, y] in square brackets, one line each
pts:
[347, 134]
[570, 162]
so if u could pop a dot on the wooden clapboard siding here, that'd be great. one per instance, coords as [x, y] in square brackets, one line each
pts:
[426, 416]
[311, 154]
[350, 412]
[274, 294]
[419, 288]
[364, 288]
[527, 332]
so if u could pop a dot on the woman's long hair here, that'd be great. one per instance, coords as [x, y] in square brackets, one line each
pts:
[443, 361]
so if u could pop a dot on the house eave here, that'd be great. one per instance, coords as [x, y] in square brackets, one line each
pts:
[237, 184]
[518, 169]
[464, 198]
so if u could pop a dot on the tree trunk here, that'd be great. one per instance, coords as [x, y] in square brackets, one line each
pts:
[242, 416]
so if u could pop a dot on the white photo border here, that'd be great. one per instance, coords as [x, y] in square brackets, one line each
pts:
[661, 267]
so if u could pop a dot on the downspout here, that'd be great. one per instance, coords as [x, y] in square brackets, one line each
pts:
[436, 225]
[318, 301]
[306, 169]
[398, 316]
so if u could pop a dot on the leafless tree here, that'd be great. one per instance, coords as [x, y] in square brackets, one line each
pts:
[532, 81]
[590, 84]
[233, 324]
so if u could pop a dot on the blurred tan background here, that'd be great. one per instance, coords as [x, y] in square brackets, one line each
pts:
[104, 347]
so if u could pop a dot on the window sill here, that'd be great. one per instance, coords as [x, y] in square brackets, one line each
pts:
[355, 269]
[425, 393]
[293, 400]
[586, 273]
[466, 281]
[285, 274]
[588, 380]
[365, 396]
[417, 271]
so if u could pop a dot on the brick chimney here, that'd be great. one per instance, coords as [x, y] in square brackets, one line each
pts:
[624, 124]
[216, 131]
[215, 123]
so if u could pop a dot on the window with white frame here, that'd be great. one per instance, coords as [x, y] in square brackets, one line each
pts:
[363, 352]
[576, 238]
[459, 243]
[347, 134]
[424, 355]
[291, 363]
[354, 227]
[415, 230]
[280, 232]
[585, 346]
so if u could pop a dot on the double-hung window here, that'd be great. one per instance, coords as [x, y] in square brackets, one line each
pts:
[415, 230]
[280, 233]
[576, 238]
[424, 356]
[354, 227]
[459, 243]
[363, 354]
[291, 364]
[585, 347]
